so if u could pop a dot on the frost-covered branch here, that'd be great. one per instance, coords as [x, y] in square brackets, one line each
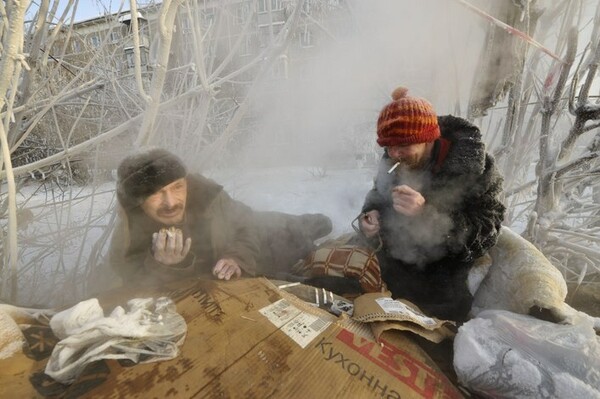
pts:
[208, 155]
[10, 69]
[135, 30]
[584, 111]
[101, 138]
[231, 54]
[166, 23]
[511, 30]
[583, 249]
[545, 194]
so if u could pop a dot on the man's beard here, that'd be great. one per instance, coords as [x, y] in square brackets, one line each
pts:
[168, 212]
[412, 162]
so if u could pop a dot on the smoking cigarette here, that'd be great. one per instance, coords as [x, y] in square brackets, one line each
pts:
[288, 285]
[393, 167]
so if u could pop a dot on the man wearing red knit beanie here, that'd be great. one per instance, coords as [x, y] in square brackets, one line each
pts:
[434, 207]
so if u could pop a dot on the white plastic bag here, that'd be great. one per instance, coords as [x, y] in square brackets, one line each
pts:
[507, 355]
[150, 330]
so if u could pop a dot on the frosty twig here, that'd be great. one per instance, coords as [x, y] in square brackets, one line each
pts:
[511, 30]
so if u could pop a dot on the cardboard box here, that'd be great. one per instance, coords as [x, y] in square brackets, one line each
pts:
[249, 339]
[386, 315]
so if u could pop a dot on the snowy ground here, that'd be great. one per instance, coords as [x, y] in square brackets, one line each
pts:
[338, 193]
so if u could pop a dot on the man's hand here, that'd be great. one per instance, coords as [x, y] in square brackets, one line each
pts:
[407, 201]
[227, 268]
[168, 246]
[369, 223]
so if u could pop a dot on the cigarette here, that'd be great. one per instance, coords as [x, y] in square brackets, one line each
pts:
[393, 167]
[288, 285]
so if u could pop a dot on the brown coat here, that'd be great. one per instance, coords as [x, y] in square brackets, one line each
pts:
[219, 226]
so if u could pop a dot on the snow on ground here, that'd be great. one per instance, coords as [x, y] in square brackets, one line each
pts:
[337, 193]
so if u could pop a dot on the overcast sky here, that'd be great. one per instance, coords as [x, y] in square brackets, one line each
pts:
[94, 8]
[87, 9]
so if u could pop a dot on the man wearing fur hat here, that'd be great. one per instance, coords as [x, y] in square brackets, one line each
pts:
[174, 225]
[434, 207]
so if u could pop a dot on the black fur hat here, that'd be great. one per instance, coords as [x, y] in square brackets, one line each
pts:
[144, 173]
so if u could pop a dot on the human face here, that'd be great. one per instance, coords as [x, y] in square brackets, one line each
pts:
[412, 155]
[167, 205]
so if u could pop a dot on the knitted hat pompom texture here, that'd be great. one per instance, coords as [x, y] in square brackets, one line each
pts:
[144, 173]
[406, 120]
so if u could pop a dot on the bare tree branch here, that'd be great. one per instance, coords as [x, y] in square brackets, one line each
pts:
[10, 69]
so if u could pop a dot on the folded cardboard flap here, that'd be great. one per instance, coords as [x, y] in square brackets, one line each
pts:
[247, 338]
[386, 315]
[382, 330]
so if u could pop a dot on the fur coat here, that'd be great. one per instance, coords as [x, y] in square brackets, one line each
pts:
[426, 258]
[219, 226]
[263, 243]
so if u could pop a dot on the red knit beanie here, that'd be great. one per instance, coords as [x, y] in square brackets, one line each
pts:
[406, 120]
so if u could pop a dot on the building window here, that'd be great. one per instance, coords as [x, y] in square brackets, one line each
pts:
[130, 57]
[263, 37]
[95, 41]
[186, 25]
[115, 35]
[280, 68]
[306, 6]
[76, 46]
[276, 5]
[143, 56]
[246, 46]
[277, 27]
[306, 39]
[241, 13]
[265, 33]
[144, 30]
[207, 17]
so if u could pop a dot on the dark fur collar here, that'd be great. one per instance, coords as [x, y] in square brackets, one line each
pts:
[467, 152]
[201, 193]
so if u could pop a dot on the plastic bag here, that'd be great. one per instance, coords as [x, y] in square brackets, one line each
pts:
[150, 330]
[507, 355]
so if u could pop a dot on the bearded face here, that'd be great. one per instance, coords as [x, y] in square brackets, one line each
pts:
[167, 205]
[412, 156]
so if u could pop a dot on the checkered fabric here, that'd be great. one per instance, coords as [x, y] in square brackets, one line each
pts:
[348, 261]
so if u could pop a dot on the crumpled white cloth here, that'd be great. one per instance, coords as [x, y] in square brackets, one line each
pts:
[150, 327]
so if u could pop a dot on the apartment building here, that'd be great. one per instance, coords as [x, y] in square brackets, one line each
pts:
[233, 41]
[220, 24]
[108, 41]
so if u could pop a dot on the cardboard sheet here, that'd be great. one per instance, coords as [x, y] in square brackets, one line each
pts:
[248, 339]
